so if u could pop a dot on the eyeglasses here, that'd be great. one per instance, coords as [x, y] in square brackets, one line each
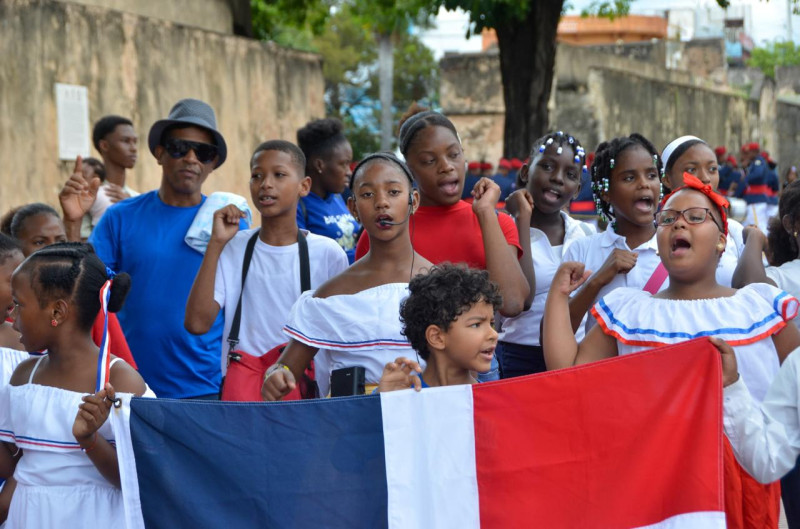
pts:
[204, 152]
[668, 217]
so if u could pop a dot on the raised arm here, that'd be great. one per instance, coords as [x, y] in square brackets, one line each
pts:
[750, 268]
[618, 262]
[76, 197]
[558, 339]
[201, 307]
[502, 261]
[520, 205]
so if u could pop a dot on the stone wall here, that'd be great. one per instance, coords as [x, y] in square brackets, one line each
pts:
[138, 67]
[600, 95]
[625, 102]
[788, 132]
[213, 15]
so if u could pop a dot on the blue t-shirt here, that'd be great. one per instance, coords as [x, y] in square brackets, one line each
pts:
[506, 184]
[469, 184]
[145, 238]
[329, 217]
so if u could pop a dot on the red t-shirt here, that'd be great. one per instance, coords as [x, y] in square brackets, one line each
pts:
[118, 345]
[450, 234]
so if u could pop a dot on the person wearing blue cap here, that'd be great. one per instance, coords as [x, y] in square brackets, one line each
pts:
[144, 236]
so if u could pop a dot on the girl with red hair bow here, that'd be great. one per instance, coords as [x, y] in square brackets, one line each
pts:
[691, 236]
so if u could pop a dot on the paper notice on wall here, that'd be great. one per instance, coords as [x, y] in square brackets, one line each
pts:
[72, 107]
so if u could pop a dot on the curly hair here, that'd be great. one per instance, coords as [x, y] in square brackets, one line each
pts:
[440, 297]
[782, 245]
[319, 137]
[71, 270]
[609, 150]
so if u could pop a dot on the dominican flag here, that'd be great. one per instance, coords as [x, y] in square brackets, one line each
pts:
[633, 441]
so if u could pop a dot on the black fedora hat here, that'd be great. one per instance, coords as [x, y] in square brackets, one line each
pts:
[189, 112]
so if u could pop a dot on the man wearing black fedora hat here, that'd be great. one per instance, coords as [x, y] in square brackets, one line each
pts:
[144, 236]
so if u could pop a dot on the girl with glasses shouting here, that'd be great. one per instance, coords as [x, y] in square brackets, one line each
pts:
[691, 235]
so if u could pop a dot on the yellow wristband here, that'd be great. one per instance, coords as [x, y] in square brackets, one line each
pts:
[275, 367]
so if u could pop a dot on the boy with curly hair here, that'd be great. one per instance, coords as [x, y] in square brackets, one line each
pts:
[448, 318]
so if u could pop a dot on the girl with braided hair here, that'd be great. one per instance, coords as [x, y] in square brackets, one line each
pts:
[755, 321]
[545, 186]
[56, 405]
[626, 184]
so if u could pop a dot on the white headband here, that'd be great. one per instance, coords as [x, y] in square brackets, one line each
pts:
[671, 146]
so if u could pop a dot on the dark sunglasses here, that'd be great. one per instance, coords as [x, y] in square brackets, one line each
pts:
[204, 152]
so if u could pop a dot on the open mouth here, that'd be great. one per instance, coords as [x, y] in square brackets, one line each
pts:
[449, 186]
[679, 243]
[644, 204]
[551, 194]
[384, 221]
[266, 200]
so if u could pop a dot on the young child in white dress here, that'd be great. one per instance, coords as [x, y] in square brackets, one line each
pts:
[58, 445]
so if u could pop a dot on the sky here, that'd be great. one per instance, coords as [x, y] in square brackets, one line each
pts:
[765, 21]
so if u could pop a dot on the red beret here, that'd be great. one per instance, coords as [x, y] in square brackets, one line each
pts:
[504, 164]
[719, 151]
[589, 159]
[753, 146]
[474, 166]
[516, 163]
[486, 166]
[732, 160]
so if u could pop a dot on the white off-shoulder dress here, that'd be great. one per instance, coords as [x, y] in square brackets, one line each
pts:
[361, 329]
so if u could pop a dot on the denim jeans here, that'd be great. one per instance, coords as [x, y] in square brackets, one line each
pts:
[517, 360]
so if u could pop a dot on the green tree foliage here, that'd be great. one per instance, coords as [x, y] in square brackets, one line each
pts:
[344, 33]
[773, 55]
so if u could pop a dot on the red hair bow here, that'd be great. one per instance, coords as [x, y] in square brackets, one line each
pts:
[692, 182]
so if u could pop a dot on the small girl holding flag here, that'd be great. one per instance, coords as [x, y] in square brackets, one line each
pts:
[66, 469]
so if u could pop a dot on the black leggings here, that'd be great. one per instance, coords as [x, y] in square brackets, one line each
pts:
[790, 494]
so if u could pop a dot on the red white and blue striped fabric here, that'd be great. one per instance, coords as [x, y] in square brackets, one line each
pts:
[104, 358]
[633, 441]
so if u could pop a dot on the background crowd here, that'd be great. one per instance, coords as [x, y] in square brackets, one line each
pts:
[563, 258]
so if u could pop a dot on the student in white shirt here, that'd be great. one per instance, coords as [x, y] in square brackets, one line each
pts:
[547, 183]
[273, 280]
[627, 188]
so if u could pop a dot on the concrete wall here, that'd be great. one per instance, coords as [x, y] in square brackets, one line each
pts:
[213, 15]
[600, 95]
[788, 132]
[624, 102]
[138, 67]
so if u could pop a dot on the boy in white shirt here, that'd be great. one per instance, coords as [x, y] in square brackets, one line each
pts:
[273, 279]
